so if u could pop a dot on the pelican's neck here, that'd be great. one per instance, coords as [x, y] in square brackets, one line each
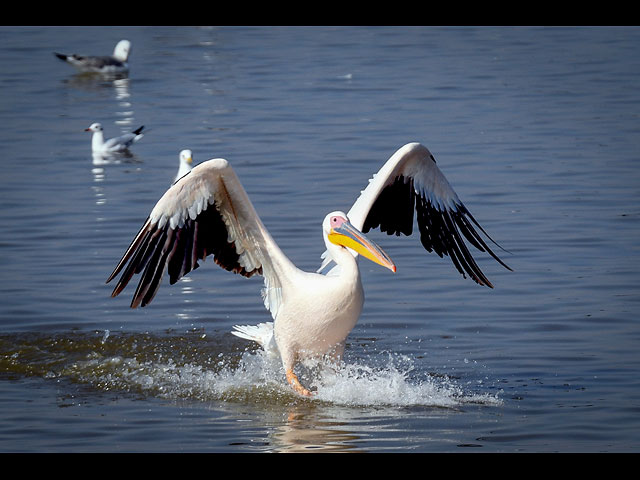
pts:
[97, 141]
[344, 258]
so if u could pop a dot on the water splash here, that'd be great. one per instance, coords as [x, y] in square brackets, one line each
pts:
[259, 378]
[194, 367]
[393, 382]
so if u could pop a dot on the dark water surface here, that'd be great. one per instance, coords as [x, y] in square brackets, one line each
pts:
[538, 131]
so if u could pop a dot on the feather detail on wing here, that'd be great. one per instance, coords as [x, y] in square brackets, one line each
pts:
[207, 212]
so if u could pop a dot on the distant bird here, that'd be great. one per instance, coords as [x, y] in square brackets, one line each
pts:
[113, 145]
[116, 63]
[208, 212]
[185, 164]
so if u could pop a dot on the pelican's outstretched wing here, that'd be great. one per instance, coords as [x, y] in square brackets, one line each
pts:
[411, 181]
[206, 212]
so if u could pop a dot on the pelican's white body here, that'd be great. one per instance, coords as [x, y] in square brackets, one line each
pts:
[318, 312]
[316, 316]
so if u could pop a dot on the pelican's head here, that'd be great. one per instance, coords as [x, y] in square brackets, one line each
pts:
[121, 52]
[185, 157]
[339, 231]
[94, 127]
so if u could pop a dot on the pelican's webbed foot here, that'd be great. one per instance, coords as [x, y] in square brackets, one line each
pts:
[296, 385]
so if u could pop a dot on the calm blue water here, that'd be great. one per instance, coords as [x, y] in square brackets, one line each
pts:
[537, 129]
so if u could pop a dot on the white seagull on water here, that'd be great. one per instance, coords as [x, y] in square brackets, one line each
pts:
[208, 212]
[186, 160]
[116, 63]
[113, 145]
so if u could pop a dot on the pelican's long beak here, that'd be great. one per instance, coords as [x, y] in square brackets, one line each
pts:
[349, 236]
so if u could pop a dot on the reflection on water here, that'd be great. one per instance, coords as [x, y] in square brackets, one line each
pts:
[105, 84]
[93, 81]
[99, 169]
[300, 435]
[121, 86]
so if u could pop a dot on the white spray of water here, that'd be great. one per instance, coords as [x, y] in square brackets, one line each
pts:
[260, 378]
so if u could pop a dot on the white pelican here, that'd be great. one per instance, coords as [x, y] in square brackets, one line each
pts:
[208, 212]
[116, 144]
[186, 160]
[116, 63]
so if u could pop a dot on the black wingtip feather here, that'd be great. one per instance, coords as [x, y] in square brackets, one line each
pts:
[393, 209]
[177, 251]
[467, 228]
